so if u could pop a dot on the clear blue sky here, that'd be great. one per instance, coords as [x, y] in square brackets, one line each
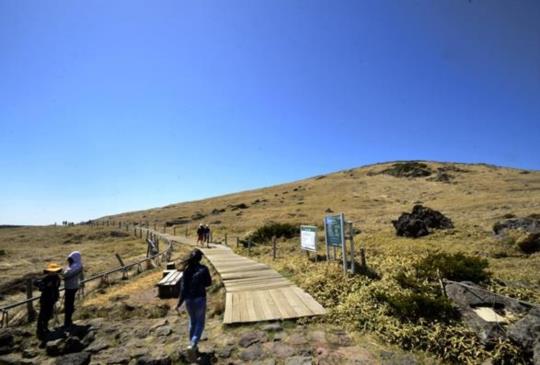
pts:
[111, 106]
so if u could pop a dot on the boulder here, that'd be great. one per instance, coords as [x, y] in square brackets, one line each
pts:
[79, 358]
[252, 337]
[419, 221]
[529, 243]
[164, 331]
[527, 224]
[225, 352]
[473, 296]
[252, 353]
[526, 331]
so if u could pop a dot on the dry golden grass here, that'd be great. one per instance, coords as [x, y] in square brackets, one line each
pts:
[475, 200]
[29, 249]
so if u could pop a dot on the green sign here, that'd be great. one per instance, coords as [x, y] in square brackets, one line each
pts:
[333, 227]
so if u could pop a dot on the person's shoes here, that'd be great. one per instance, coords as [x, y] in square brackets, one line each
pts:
[192, 352]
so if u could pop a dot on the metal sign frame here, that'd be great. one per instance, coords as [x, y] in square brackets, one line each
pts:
[341, 218]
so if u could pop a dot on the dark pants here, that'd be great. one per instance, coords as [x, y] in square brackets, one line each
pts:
[69, 306]
[46, 312]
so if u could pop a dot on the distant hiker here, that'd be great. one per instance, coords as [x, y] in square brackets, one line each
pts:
[48, 286]
[200, 235]
[206, 234]
[195, 280]
[72, 274]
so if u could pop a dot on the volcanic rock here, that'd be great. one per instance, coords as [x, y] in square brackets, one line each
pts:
[418, 223]
[527, 224]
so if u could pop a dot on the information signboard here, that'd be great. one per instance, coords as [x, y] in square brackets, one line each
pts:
[308, 238]
[333, 228]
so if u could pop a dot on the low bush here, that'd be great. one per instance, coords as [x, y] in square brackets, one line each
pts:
[413, 306]
[279, 230]
[457, 267]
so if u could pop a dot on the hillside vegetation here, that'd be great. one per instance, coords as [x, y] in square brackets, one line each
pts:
[474, 196]
[396, 299]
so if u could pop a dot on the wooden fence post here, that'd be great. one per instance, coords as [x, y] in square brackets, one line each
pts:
[226, 239]
[363, 258]
[174, 231]
[237, 242]
[30, 305]
[124, 271]
[274, 247]
[249, 247]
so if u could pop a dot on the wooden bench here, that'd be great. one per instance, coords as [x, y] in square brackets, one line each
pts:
[169, 286]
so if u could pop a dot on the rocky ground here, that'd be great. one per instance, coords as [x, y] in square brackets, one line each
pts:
[130, 325]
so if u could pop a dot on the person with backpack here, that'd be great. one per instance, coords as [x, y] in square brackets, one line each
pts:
[195, 279]
[207, 235]
[73, 275]
[200, 235]
[49, 287]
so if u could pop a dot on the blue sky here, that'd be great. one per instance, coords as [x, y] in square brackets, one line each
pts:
[111, 106]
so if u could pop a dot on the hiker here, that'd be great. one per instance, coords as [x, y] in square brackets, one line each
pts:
[200, 235]
[193, 285]
[206, 235]
[48, 286]
[72, 274]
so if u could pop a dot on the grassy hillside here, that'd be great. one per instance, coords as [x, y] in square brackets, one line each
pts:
[473, 196]
[478, 195]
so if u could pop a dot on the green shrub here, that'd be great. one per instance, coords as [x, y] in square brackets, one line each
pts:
[413, 306]
[279, 230]
[458, 267]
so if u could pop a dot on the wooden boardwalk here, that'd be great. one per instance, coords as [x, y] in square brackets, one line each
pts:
[254, 291]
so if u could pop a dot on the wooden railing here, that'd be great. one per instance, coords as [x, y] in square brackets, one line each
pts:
[158, 258]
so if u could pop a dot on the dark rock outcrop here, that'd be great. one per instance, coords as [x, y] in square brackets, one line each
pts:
[408, 170]
[420, 221]
[527, 224]
[525, 332]
[442, 176]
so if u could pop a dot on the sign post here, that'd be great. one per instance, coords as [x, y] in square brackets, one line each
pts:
[335, 235]
[308, 239]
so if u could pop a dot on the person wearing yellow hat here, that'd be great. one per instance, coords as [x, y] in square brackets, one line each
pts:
[48, 286]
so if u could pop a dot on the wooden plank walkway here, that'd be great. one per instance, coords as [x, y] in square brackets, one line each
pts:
[254, 291]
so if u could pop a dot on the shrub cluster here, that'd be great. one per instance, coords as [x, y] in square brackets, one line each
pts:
[279, 230]
[457, 267]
